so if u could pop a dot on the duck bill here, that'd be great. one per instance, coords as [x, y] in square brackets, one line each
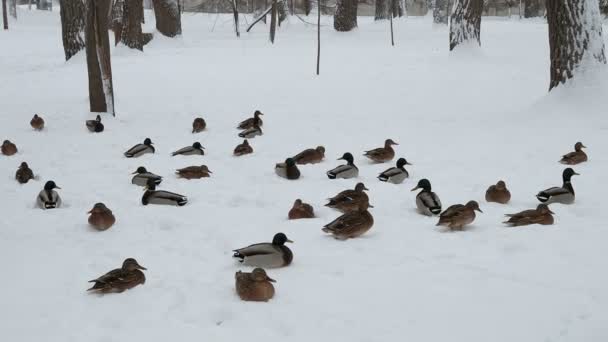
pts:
[57, 187]
[209, 171]
[408, 163]
[342, 158]
[370, 206]
[416, 188]
[290, 241]
[271, 280]
[141, 267]
[576, 173]
[364, 188]
[479, 210]
[90, 211]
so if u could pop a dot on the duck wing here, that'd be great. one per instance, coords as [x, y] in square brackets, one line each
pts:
[429, 200]
[551, 192]
[452, 211]
[343, 171]
[166, 197]
[348, 223]
[137, 150]
[389, 173]
[246, 123]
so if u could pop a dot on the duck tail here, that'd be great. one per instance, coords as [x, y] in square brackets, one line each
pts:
[383, 178]
[331, 175]
[182, 201]
[435, 210]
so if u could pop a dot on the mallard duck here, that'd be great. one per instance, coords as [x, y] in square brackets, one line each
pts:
[142, 175]
[382, 154]
[457, 216]
[8, 148]
[153, 196]
[193, 172]
[95, 125]
[140, 149]
[349, 200]
[243, 148]
[576, 157]
[120, 279]
[301, 210]
[344, 171]
[351, 224]
[395, 175]
[267, 255]
[310, 156]
[427, 201]
[251, 132]
[198, 125]
[48, 198]
[254, 121]
[195, 149]
[541, 215]
[288, 169]
[255, 286]
[101, 218]
[563, 194]
[24, 173]
[37, 123]
[498, 193]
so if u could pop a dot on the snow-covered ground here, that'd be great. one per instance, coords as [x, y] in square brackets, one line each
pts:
[464, 120]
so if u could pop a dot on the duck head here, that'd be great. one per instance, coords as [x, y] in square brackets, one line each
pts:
[131, 264]
[297, 203]
[198, 146]
[289, 162]
[148, 142]
[568, 173]
[473, 205]
[258, 274]
[245, 142]
[98, 118]
[348, 157]
[320, 149]
[257, 113]
[98, 208]
[389, 142]
[500, 185]
[401, 162]
[140, 170]
[360, 187]
[544, 209]
[6, 142]
[24, 166]
[280, 239]
[579, 146]
[50, 185]
[423, 184]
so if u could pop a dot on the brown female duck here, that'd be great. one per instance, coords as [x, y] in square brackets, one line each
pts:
[101, 218]
[120, 279]
[198, 125]
[349, 200]
[498, 193]
[310, 156]
[352, 224]
[541, 215]
[255, 286]
[243, 149]
[8, 148]
[382, 154]
[37, 123]
[576, 157]
[301, 210]
[193, 172]
[251, 122]
[457, 216]
[24, 173]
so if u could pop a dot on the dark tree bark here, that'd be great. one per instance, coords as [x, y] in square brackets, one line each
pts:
[131, 34]
[116, 19]
[575, 36]
[273, 21]
[101, 93]
[345, 18]
[532, 8]
[442, 10]
[168, 17]
[72, 13]
[307, 6]
[465, 22]
[397, 8]
[4, 15]
[318, 39]
[382, 9]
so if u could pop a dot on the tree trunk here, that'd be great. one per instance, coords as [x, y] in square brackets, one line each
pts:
[12, 8]
[4, 15]
[442, 10]
[532, 8]
[116, 19]
[307, 6]
[381, 9]
[72, 13]
[465, 22]
[397, 8]
[101, 92]
[168, 17]
[575, 37]
[131, 34]
[345, 18]
[273, 21]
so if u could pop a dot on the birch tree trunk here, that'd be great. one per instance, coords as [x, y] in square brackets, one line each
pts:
[4, 15]
[345, 18]
[72, 13]
[465, 22]
[97, 40]
[168, 17]
[575, 37]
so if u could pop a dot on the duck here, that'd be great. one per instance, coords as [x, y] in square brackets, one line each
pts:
[198, 125]
[251, 122]
[142, 175]
[243, 149]
[349, 200]
[498, 193]
[140, 149]
[194, 172]
[267, 254]
[95, 126]
[153, 196]
[288, 169]
[120, 279]
[101, 218]
[48, 198]
[251, 132]
[563, 194]
[195, 149]
[37, 123]
[395, 175]
[8, 148]
[427, 201]
[457, 216]
[352, 224]
[24, 173]
[255, 286]
[310, 156]
[301, 210]
[541, 215]
[344, 171]
[382, 154]
[576, 157]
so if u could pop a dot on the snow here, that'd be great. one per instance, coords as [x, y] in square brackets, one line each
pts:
[465, 120]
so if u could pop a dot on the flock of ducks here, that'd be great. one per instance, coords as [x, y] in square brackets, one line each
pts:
[353, 204]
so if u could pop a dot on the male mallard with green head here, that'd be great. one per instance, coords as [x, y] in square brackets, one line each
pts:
[288, 169]
[541, 215]
[457, 216]
[153, 196]
[48, 198]
[556, 194]
[267, 255]
[347, 171]
[95, 126]
[395, 175]
[140, 149]
[427, 201]
[195, 149]
[576, 157]
[382, 154]
[255, 286]
[120, 279]
[142, 176]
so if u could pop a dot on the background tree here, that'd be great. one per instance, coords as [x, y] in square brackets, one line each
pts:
[575, 37]
[382, 9]
[441, 11]
[4, 15]
[12, 8]
[72, 13]
[97, 40]
[116, 19]
[132, 17]
[345, 18]
[465, 22]
[533, 8]
[168, 17]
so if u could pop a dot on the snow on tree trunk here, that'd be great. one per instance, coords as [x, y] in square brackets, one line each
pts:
[441, 12]
[382, 9]
[72, 13]
[575, 37]
[12, 8]
[4, 15]
[101, 92]
[465, 22]
[168, 17]
[345, 18]
[131, 34]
